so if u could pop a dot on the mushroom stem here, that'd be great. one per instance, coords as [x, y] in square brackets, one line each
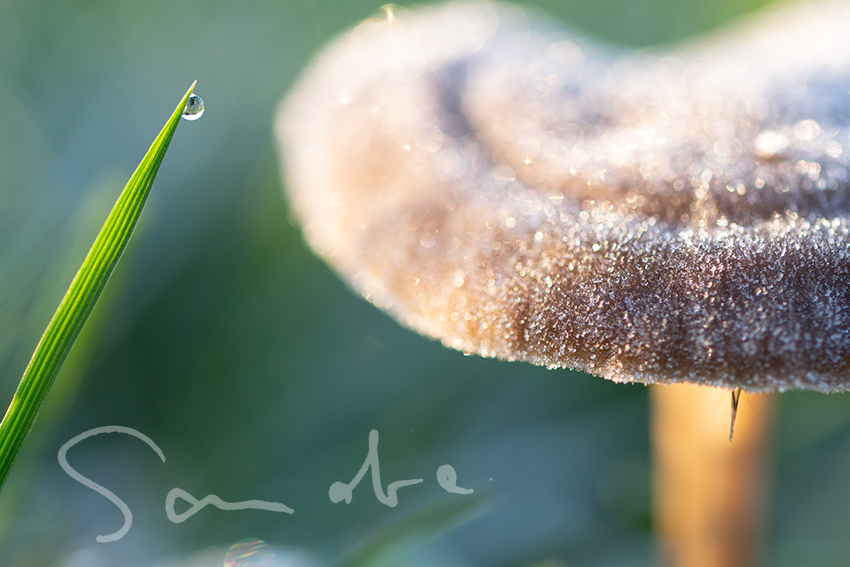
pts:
[710, 493]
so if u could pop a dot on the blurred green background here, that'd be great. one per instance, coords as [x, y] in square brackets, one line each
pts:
[257, 371]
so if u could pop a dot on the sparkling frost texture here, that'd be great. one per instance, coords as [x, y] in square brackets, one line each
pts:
[520, 192]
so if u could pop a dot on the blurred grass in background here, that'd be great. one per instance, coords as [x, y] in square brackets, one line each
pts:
[254, 368]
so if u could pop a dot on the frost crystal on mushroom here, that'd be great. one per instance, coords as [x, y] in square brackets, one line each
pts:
[519, 192]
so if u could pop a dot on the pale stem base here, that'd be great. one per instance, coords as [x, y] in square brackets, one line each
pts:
[710, 492]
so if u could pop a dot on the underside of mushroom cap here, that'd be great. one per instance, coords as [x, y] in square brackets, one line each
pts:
[522, 193]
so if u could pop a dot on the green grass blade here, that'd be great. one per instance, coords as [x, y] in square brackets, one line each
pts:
[80, 299]
[392, 544]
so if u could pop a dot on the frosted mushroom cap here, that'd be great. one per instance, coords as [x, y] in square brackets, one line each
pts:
[519, 192]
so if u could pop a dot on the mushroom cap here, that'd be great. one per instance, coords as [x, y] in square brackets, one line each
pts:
[520, 192]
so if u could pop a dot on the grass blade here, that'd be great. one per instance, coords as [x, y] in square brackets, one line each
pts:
[80, 299]
[392, 544]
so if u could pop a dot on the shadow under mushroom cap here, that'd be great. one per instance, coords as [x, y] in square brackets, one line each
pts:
[522, 193]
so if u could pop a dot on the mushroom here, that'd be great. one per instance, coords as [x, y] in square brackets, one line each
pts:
[665, 218]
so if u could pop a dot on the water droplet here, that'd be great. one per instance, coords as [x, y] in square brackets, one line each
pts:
[429, 138]
[388, 10]
[249, 552]
[194, 108]
[540, 77]
[769, 143]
